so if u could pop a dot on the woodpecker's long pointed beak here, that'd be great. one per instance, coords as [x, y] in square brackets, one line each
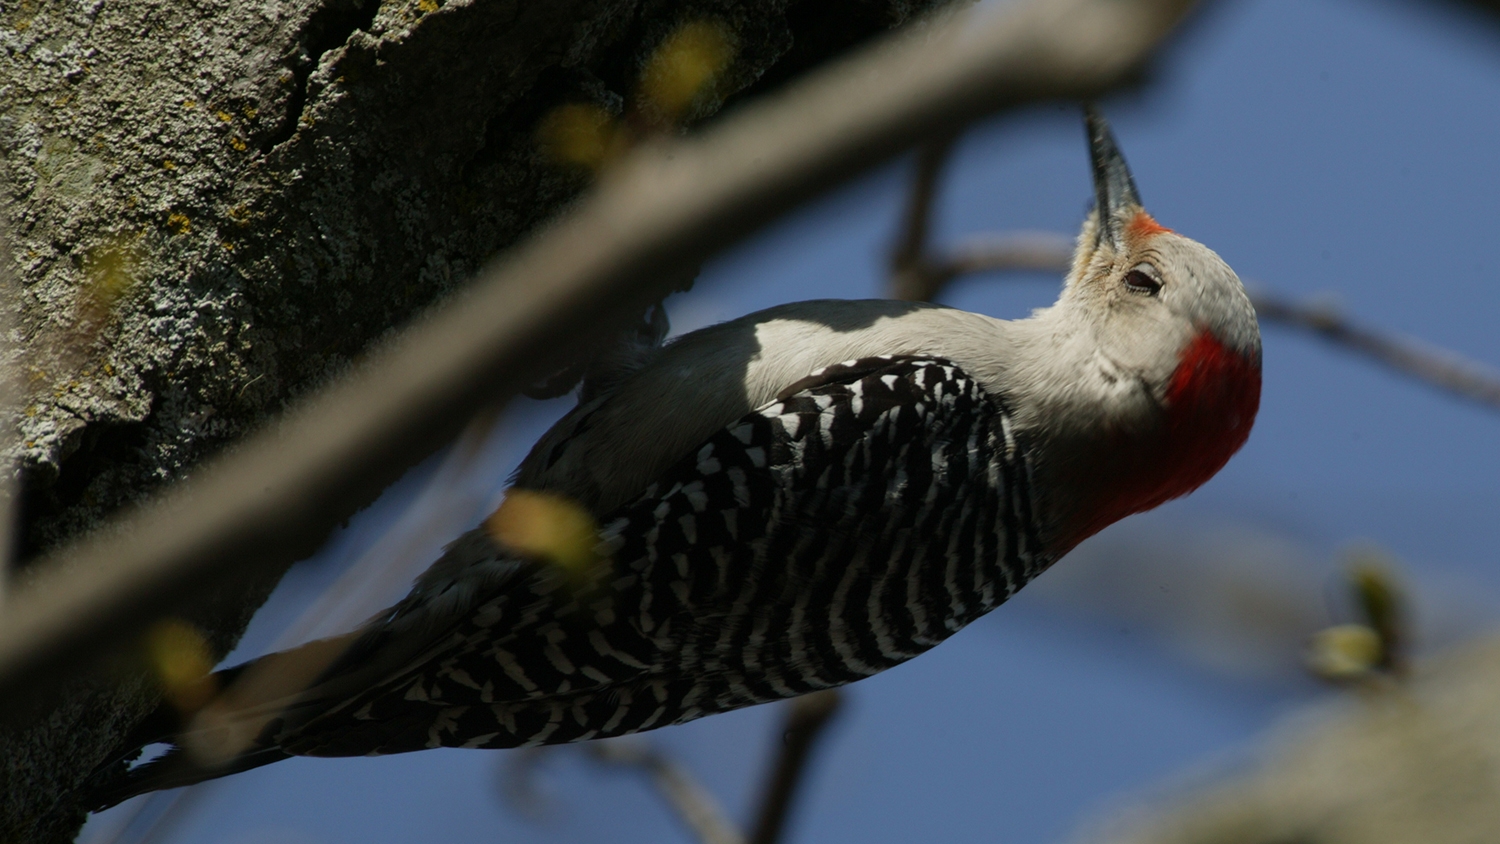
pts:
[1114, 189]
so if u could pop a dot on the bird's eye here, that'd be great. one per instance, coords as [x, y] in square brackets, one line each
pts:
[1139, 281]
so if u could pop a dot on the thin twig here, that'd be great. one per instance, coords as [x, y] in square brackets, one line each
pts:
[667, 207]
[693, 803]
[805, 722]
[1433, 366]
[910, 267]
[1013, 252]
[919, 275]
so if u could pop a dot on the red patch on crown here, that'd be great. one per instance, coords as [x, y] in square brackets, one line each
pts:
[1211, 403]
[1144, 225]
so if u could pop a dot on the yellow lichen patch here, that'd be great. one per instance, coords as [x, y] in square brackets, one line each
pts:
[224, 116]
[189, 105]
[685, 64]
[249, 112]
[180, 659]
[111, 271]
[546, 526]
[168, 164]
[427, 6]
[227, 246]
[179, 223]
[238, 144]
[578, 133]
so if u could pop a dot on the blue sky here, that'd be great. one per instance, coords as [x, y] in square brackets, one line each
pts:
[1337, 148]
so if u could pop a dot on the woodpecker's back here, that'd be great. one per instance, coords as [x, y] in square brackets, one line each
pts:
[784, 503]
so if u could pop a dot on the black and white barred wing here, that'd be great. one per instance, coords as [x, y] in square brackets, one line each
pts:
[808, 544]
[841, 555]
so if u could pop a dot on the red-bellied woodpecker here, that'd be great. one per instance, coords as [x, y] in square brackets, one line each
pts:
[786, 502]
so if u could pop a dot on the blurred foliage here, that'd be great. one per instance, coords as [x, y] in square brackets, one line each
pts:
[1417, 765]
[682, 69]
[580, 134]
[180, 659]
[1344, 652]
[678, 76]
[547, 526]
[1380, 599]
[1374, 645]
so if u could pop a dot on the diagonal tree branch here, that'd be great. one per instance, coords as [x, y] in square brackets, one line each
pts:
[667, 207]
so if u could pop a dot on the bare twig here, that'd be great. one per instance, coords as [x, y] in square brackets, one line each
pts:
[910, 265]
[1012, 252]
[918, 274]
[809, 715]
[806, 718]
[1051, 252]
[665, 208]
[693, 803]
[1436, 367]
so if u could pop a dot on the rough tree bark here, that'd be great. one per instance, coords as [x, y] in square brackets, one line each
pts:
[214, 205]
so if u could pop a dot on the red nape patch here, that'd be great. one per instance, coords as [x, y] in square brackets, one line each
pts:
[1144, 225]
[1211, 404]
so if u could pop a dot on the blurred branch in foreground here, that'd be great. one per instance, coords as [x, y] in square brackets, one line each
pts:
[376, 577]
[1407, 763]
[1410, 755]
[806, 718]
[694, 804]
[664, 208]
[918, 273]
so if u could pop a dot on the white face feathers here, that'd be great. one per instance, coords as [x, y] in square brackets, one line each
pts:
[1145, 291]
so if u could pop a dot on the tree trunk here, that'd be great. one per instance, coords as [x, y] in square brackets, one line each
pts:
[215, 205]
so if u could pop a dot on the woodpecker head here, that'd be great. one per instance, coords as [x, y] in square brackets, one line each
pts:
[1163, 329]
